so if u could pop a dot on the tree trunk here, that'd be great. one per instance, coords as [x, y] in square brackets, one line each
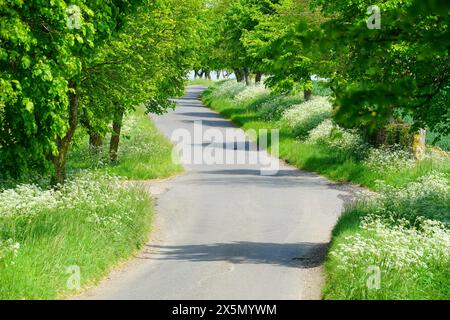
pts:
[95, 142]
[95, 138]
[419, 145]
[307, 94]
[239, 75]
[208, 75]
[247, 77]
[115, 137]
[59, 160]
[258, 77]
[218, 75]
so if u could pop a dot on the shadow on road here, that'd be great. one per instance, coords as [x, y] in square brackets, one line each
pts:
[295, 255]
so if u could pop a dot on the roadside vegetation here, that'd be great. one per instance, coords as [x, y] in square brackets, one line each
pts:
[401, 230]
[143, 154]
[311, 140]
[200, 82]
[53, 238]
[95, 220]
[72, 138]
[353, 103]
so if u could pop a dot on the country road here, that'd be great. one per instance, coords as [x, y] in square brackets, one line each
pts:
[228, 232]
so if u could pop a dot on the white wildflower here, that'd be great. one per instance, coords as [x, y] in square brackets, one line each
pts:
[250, 93]
[389, 158]
[308, 115]
[330, 134]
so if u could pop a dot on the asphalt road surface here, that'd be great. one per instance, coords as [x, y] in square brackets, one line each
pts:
[229, 231]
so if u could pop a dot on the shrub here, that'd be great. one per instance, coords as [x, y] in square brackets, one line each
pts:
[274, 107]
[308, 115]
[330, 134]
[251, 93]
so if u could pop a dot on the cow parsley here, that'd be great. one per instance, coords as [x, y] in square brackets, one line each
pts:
[304, 117]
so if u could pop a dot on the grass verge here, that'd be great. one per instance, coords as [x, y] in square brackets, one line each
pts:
[394, 244]
[55, 242]
[256, 112]
[201, 82]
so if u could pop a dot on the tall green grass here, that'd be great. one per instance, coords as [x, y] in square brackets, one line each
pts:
[92, 229]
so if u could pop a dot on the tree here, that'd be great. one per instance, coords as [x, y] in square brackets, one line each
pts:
[283, 43]
[44, 49]
[398, 71]
[146, 63]
[232, 18]
[90, 62]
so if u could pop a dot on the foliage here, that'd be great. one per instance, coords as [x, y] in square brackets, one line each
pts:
[90, 62]
[398, 70]
[144, 153]
[282, 40]
[42, 58]
[376, 75]
[402, 231]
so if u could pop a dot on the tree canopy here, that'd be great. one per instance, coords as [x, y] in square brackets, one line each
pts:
[90, 62]
[60, 63]
[384, 62]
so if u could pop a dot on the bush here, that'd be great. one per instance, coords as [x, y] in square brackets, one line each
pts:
[274, 107]
[306, 116]
[330, 134]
